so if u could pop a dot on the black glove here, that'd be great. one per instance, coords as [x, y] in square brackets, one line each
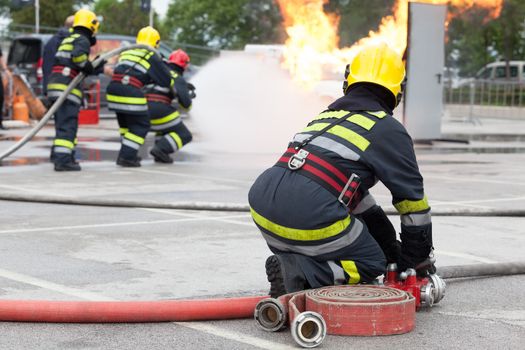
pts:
[88, 68]
[100, 67]
[416, 249]
[191, 90]
[383, 232]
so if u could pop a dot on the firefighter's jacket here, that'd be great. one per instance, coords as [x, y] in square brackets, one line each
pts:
[136, 68]
[71, 58]
[290, 208]
[163, 114]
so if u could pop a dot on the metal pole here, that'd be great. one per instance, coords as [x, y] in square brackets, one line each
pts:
[37, 16]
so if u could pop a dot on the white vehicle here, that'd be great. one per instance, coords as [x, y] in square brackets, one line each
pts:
[498, 71]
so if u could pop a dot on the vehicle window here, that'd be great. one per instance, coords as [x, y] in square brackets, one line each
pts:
[501, 72]
[485, 73]
[25, 51]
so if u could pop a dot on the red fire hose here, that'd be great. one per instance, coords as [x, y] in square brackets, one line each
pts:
[127, 311]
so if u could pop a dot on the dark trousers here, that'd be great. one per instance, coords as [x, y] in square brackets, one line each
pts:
[132, 126]
[361, 261]
[66, 127]
[172, 139]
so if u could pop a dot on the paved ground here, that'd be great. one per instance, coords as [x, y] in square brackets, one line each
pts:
[63, 252]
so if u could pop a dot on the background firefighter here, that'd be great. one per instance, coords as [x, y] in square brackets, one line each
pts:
[165, 119]
[322, 224]
[135, 69]
[70, 59]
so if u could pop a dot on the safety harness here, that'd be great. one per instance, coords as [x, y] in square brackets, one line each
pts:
[322, 169]
[125, 79]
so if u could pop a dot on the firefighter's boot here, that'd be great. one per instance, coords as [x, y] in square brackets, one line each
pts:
[284, 274]
[69, 166]
[129, 163]
[160, 156]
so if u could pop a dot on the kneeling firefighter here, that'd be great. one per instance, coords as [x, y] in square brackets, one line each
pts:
[70, 59]
[313, 206]
[165, 119]
[135, 69]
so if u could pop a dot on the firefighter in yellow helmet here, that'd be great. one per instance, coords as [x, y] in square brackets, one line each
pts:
[135, 69]
[71, 59]
[313, 206]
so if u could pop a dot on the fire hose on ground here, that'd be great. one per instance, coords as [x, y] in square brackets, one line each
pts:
[214, 206]
[341, 310]
[77, 80]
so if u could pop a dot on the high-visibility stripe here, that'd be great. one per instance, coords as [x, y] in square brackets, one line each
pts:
[351, 269]
[408, 206]
[317, 249]
[416, 219]
[122, 131]
[362, 121]
[298, 234]
[329, 145]
[166, 119]
[177, 139]
[80, 58]
[134, 138]
[127, 100]
[64, 143]
[332, 114]
[342, 132]
[135, 59]
[63, 54]
[65, 47]
[378, 114]
[127, 107]
[63, 87]
[133, 65]
[130, 144]
[63, 150]
[366, 203]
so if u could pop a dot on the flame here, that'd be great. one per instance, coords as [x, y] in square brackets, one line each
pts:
[313, 42]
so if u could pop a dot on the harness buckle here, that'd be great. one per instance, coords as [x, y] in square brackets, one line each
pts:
[297, 160]
[351, 185]
[125, 80]
[66, 71]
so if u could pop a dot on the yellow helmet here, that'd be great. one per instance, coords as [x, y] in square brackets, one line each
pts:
[87, 19]
[148, 36]
[377, 64]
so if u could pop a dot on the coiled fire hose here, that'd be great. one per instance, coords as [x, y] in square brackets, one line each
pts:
[77, 80]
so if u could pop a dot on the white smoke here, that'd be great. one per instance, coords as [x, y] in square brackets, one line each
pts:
[248, 103]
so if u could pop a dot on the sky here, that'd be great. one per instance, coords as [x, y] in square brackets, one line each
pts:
[160, 6]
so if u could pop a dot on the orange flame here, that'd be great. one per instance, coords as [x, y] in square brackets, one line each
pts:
[313, 42]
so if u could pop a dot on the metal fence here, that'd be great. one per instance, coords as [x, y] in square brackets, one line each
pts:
[485, 98]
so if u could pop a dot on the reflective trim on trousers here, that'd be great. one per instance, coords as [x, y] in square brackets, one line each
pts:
[166, 126]
[133, 65]
[351, 269]
[158, 88]
[330, 145]
[130, 144]
[65, 150]
[315, 250]
[127, 108]
[338, 272]
[365, 204]
[419, 219]
[70, 97]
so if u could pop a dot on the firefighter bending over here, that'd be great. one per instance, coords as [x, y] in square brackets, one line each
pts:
[70, 59]
[165, 119]
[135, 69]
[313, 206]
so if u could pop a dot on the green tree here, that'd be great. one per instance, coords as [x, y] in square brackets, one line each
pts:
[224, 23]
[358, 17]
[52, 13]
[122, 17]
